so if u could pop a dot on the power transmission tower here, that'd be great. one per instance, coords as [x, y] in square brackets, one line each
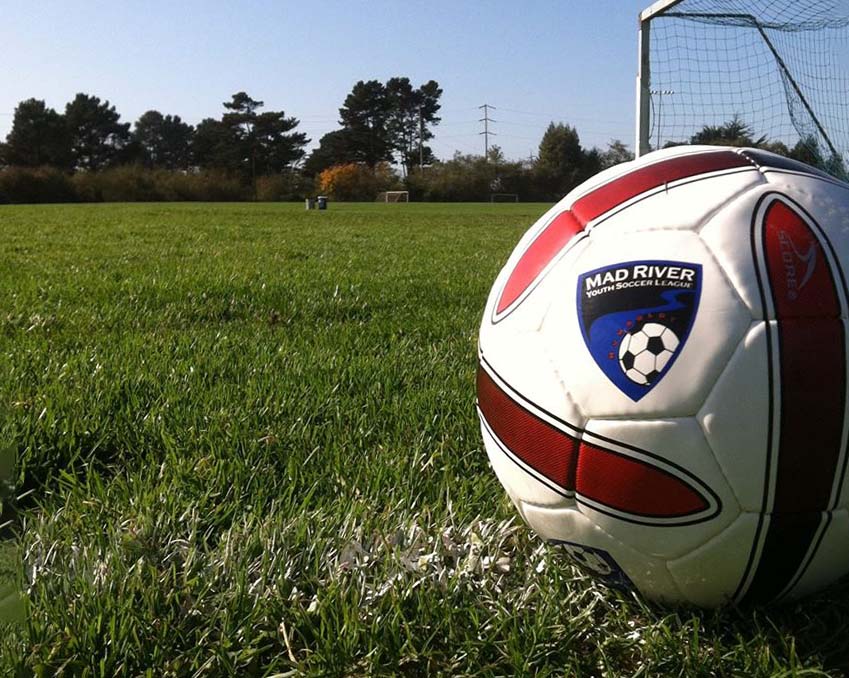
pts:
[486, 120]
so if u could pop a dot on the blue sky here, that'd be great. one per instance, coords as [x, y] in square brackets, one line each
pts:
[571, 61]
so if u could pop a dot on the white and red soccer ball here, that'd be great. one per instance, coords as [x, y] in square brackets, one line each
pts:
[663, 376]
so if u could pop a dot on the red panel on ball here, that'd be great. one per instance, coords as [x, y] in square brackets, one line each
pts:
[603, 476]
[810, 366]
[539, 254]
[811, 358]
[544, 448]
[633, 486]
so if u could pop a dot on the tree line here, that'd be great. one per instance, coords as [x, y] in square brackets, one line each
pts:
[89, 136]
[87, 153]
[379, 122]
[53, 156]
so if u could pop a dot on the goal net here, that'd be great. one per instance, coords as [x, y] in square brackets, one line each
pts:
[393, 196]
[773, 73]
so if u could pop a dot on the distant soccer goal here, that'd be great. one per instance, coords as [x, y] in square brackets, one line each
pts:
[773, 71]
[504, 197]
[393, 196]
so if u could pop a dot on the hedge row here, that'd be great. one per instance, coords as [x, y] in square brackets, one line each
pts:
[136, 184]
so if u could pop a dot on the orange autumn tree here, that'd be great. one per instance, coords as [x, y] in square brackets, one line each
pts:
[356, 181]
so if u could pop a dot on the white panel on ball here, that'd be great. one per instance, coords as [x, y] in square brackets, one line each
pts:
[735, 418]
[710, 574]
[728, 235]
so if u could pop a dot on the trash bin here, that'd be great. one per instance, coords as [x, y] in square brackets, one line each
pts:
[309, 203]
[322, 202]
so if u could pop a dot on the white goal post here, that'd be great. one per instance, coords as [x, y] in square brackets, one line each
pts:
[393, 196]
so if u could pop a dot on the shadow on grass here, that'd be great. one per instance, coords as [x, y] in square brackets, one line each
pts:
[813, 632]
[819, 626]
[12, 604]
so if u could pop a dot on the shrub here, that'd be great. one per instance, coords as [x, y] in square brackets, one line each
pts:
[470, 178]
[357, 182]
[133, 183]
[287, 186]
[209, 186]
[35, 185]
[121, 184]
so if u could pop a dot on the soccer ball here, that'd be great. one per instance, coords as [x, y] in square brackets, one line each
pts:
[662, 381]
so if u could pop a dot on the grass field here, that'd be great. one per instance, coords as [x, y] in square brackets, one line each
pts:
[249, 437]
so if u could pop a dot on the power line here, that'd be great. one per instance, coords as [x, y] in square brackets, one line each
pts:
[516, 136]
[459, 122]
[457, 110]
[562, 116]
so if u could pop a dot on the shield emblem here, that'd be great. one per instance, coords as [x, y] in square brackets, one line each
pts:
[636, 317]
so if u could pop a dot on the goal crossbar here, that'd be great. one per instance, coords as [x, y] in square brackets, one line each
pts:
[661, 6]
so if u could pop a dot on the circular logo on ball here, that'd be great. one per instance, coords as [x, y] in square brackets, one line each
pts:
[635, 318]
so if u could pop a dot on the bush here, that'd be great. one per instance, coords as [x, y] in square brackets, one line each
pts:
[207, 186]
[470, 178]
[129, 183]
[133, 183]
[35, 185]
[357, 182]
[121, 184]
[283, 187]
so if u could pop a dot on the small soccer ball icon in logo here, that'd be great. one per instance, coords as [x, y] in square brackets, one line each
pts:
[645, 352]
